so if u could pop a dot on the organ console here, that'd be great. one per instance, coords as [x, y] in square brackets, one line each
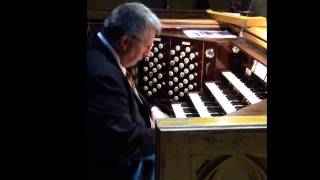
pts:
[215, 93]
[195, 82]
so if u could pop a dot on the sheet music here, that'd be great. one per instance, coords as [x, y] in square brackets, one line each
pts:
[208, 34]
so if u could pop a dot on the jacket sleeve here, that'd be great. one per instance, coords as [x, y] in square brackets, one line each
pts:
[110, 119]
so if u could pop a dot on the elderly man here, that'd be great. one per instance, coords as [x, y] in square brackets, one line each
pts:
[120, 124]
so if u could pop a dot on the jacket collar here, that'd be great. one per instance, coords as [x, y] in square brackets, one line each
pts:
[112, 51]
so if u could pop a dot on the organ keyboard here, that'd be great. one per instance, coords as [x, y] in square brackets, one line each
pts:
[225, 99]
[243, 89]
[220, 97]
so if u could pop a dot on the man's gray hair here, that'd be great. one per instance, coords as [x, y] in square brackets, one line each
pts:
[131, 19]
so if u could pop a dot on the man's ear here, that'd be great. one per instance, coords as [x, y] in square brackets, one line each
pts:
[124, 42]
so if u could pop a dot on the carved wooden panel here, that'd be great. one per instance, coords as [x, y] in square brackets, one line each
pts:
[212, 154]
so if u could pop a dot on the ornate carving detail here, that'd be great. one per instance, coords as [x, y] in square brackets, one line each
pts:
[238, 166]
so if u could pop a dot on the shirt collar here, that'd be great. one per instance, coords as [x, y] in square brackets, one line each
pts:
[113, 52]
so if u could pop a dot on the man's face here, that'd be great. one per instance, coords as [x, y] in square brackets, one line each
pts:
[138, 48]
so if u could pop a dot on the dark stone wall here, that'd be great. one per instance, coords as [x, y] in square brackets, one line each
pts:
[258, 8]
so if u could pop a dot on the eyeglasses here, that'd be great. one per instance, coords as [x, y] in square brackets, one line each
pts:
[147, 45]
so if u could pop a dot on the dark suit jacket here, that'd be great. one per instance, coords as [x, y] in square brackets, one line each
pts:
[118, 125]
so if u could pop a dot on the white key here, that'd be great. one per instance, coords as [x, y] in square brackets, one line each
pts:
[178, 110]
[220, 97]
[199, 105]
[241, 87]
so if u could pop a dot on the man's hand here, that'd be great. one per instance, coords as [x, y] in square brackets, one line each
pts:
[153, 120]
[156, 114]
